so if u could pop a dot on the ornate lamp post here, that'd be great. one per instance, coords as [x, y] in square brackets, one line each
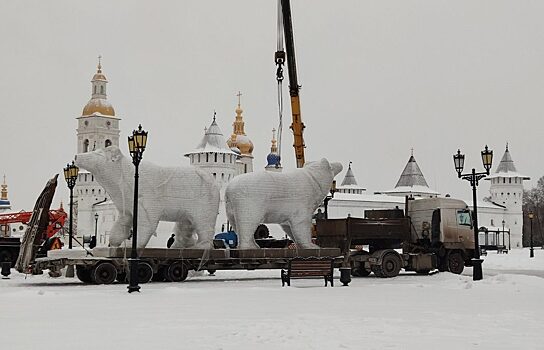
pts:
[136, 146]
[328, 198]
[70, 175]
[474, 177]
[532, 251]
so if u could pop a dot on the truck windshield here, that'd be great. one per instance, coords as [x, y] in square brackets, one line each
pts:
[463, 218]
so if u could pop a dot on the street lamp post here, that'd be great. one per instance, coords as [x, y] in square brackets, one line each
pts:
[70, 175]
[328, 198]
[503, 242]
[532, 251]
[474, 177]
[95, 228]
[136, 145]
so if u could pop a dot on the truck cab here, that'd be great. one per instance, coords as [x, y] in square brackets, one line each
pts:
[445, 227]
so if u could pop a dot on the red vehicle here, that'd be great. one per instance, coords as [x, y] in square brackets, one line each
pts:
[10, 246]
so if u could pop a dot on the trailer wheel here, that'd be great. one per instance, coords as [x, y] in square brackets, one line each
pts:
[104, 273]
[83, 273]
[456, 263]
[391, 265]
[177, 272]
[145, 272]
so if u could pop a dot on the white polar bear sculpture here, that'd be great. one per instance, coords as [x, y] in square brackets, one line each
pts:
[288, 199]
[185, 195]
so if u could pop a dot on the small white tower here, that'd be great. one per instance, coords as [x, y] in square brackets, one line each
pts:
[507, 190]
[214, 157]
[98, 128]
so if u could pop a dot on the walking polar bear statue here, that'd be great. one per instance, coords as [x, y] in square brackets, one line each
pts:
[185, 195]
[288, 199]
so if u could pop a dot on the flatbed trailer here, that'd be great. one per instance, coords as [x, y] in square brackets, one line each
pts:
[105, 265]
[383, 237]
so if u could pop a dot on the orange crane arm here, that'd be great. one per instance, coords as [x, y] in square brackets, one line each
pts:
[297, 125]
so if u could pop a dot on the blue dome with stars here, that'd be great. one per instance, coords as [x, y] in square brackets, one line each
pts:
[273, 159]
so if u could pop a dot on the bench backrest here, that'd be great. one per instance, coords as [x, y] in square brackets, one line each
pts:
[317, 265]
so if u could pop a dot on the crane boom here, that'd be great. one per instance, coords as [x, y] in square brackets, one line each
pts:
[297, 125]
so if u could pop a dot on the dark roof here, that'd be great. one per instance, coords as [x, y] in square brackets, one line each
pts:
[411, 175]
[349, 179]
[507, 164]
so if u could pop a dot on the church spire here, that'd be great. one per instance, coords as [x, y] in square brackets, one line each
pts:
[98, 104]
[4, 191]
[238, 138]
[274, 147]
[238, 124]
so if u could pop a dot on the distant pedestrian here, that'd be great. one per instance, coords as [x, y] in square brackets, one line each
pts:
[170, 241]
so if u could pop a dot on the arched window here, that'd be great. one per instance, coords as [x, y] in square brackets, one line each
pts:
[102, 89]
[85, 146]
[215, 157]
[224, 156]
[199, 157]
[222, 176]
[94, 91]
[509, 180]
[107, 143]
[215, 175]
[503, 180]
[85, 177]
[207, 157]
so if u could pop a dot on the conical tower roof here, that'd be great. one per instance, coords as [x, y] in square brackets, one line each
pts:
[507, 164]
[213, 141]
[506, 167]
[349, 179]
[411, 175]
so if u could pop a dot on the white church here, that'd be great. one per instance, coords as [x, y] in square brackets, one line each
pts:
[98, 127]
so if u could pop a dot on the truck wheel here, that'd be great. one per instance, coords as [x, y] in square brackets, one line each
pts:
[176, 272]
[456, 263]
[104, 273]
[83, 273]
[391, 265]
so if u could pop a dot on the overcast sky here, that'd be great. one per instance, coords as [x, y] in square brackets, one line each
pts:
[379, 78]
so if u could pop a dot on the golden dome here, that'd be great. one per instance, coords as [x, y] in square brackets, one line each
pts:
[239, 138]
[99, 106]
[99, 76]
[243, 143]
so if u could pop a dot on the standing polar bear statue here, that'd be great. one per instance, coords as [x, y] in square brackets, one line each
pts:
[184, 195]
[288, 199]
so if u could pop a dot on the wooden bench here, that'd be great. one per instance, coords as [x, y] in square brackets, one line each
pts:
[308, 268]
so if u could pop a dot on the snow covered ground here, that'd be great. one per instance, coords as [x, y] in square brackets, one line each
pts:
[250, 310]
